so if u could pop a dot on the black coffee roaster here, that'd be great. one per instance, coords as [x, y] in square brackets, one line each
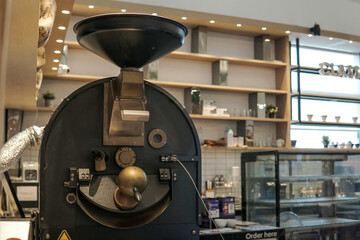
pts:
[110, 152]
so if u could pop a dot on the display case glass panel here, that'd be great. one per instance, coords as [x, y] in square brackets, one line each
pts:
[315, 191]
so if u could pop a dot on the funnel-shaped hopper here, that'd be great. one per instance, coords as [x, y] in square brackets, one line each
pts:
[130, 40]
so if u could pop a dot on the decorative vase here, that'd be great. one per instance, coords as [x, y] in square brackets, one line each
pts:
[326, 145]
[272, 115]
[49, 102]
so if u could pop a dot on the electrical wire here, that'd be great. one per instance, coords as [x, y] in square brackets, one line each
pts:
[199, 195]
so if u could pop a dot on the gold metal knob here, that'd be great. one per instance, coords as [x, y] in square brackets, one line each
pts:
[132, 182]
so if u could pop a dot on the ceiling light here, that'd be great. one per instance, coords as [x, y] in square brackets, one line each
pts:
[287, 32]
[56, 60]
[267, 39]
[350, 41]
[123, 10]
[155, 14]
[54, 68]
[238, 25]
[65, 11]
[59, 41]
[184, 18]
[61, 27]
[212, 21]
[330, 38]
[310, 35]
[91, 6]
[57, 51]
[264, 28]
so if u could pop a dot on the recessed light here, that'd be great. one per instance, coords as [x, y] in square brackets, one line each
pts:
[155, 14]
[212, 21]
[238, 25]
[310, 35]
[91, 6]
[65, 12]
[54, 68]
[57, 51]
[264, 28]
[287, 32]
[56, 60]
[330, 38]
[267, 39]
[184, 18]
[61, 27]
[123, 10]
[59, 40]
[350, 41]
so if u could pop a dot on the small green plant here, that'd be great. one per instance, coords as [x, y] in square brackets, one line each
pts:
[325, 140]
[49, 95]
[271, 109]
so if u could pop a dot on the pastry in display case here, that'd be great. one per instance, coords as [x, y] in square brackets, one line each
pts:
[312, 194]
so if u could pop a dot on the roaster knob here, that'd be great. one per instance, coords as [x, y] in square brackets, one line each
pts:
[132, 182]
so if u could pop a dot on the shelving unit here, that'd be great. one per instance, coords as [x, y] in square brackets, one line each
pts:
[281, 92]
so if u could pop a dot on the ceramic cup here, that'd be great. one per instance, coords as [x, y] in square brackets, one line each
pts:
[355, 119]
[231, 223]
[337, 118]
[310, 117]
[324, 117]
[280, 142]
[221, 223]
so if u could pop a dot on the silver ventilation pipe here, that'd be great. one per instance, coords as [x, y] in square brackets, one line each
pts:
[18, 144]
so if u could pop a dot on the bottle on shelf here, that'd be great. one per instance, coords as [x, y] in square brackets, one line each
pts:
[229, 137]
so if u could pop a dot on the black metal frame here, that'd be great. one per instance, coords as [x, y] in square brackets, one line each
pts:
[299, 96]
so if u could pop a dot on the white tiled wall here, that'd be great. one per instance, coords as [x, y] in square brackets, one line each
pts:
[220, 162]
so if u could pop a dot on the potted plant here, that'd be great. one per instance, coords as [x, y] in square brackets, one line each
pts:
[325, 141]
[49, 99]
[271, 111]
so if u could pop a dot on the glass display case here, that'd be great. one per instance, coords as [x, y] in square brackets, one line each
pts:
[312, 194]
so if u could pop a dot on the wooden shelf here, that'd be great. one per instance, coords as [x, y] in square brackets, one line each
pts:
[74, 77]
[237, 61]
[326, 97]
[209, 58]
[243, 148]
[84, 78]
[45, 109]
[217, 88]
[274, 120]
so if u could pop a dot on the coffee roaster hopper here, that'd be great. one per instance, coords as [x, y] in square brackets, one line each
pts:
[113, 140]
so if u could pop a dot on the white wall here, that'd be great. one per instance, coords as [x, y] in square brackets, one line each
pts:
[332, 15]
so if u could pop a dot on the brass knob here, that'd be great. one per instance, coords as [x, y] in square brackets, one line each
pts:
[132, 182]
